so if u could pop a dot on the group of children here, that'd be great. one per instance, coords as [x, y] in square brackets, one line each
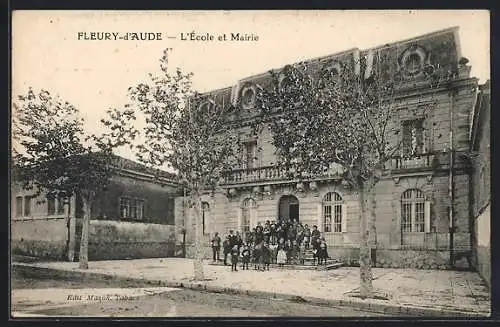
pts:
[275, 242]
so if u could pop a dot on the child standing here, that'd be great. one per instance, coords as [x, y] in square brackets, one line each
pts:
[281, 258]
[245, 253]
[307, 236]
[234, 258]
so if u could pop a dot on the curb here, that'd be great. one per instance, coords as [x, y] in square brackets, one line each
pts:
[404, 310]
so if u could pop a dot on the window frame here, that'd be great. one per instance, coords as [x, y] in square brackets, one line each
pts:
[250, 157]
[19, 206]
[333, 206]
[51, 205]
[413, 212]
[247, 210]
[131, 204]
[27, 199]
[408, 149]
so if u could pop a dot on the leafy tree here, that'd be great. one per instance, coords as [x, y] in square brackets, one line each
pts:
[339, 114]
[187, 131]
[52, 154]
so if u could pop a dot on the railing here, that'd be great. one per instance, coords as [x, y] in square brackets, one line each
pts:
[266, 174]
[414, 162]
[261, 174]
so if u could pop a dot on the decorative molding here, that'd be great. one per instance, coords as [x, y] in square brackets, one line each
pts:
[429, 179]
[396, 180]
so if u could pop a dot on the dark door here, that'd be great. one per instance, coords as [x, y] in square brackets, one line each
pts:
[288, 208]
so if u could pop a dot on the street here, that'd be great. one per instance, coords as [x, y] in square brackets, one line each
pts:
[103, 298]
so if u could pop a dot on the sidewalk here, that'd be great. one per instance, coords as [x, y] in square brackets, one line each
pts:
[436, 293]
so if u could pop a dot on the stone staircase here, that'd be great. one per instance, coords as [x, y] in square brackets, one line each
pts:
[308, 260]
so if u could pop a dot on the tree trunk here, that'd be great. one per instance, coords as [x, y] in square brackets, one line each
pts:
[366, 287]
[198, 243]
[84, 243]
[372, 225]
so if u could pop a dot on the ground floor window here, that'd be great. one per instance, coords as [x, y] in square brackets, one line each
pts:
[132, 208]
[247, 210]
[413, 211]
[332, 212]
[415, 218]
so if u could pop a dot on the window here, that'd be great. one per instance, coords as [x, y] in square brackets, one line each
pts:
[415, 212]
[413, 64]
[205, 209]
[413, 137]
[246, 216]
[19, 206]
[333, 220]
[51, 205]
[137, 209]
[27, 206]
[60, 205]
[250, 154]
[247, 97]
[131, 208]
[125, 208]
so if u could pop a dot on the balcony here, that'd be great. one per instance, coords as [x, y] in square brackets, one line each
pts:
[420, 162]
[268, 175]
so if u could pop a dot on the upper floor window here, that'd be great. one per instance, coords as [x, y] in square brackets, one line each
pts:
[413, 137]
[333, 213]
[250, 154]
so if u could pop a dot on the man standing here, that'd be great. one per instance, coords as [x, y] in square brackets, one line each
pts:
[227, 248]
[216, 247]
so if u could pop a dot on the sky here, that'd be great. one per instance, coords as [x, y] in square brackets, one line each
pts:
[94, 75]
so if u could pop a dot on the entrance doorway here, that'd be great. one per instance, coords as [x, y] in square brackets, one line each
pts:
[288, 208]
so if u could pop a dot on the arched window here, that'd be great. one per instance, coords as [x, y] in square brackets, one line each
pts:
[333, 213]
[247, 211]
[415, 212]
[205, 210]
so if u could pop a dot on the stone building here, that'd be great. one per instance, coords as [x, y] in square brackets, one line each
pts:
[481, 182]
[422, 202]
[132, 218]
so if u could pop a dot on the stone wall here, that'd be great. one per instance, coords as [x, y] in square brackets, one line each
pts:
[124, 240]
[43, 238]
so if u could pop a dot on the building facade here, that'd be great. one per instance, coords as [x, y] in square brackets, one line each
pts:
[132, 218]
[481, 183]
[423, 217]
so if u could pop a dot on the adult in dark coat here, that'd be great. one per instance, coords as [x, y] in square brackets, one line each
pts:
[226, 245]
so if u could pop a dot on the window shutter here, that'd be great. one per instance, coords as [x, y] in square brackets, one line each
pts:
[240, 218]
[344, 218]
[427, 217]
[253, 217]
[320, 217]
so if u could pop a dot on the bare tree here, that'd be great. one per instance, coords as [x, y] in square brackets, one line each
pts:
[187, 131]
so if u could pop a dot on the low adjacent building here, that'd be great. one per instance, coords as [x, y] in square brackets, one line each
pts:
[133, 218]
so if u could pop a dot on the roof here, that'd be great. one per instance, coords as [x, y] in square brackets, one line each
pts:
[127, 164]
[134, 168]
